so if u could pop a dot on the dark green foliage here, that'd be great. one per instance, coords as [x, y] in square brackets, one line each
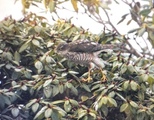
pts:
[36, 83]
[48, 86]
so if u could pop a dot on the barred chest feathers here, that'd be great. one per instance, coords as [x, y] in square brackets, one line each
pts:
[80, 58]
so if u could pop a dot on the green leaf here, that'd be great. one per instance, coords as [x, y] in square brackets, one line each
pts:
[1, 51]
[35, 107]
[151, 69]
[48, 113]
[111, 94]
[15, 112]
[48, 91]
[68, 84]
[151, 79]
[76, 37]
[37, 29]
[141, 96]
[151, 37]
[123, 18]
[120, 96]
[52, 5]
[99, 103]
[55, 115]
[74, 102]
[36, 43]
[105, 110]
[126, 84]
[30, 103]
[9, 55]
[112, 101]
[27, 74]
[104, 100]
[133, 30]
[38, 65]
[81, 113]
[104, 5]
[74, 90]
[47, 82]
[24, 87]
[134, 85]
[141, 31]
[7, 100]
[60, 110]
[2, 103]
[50, 59]
[131, 68]
[24, 46]
[61, 88]
[145, 12]
[93, 115]
[133, 104]
[84, 98]
[55, 91]
[124, 107]
[86, 87]
[73, 72]
[67, 106]
[123, 69]
[57, 101]
[40, 112]
[17, 56]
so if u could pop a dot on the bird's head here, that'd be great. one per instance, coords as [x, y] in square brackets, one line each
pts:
[62, 48]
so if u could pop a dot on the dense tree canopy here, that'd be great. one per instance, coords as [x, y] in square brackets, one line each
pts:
[37, 83]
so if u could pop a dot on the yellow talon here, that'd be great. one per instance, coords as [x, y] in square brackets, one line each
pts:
[104, 78]
[89, 77]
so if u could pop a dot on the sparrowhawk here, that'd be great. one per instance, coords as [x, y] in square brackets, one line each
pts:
[83, 52]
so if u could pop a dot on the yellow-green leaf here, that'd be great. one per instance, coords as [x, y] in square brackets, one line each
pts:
[17, 57]
[51, 5]
[84, 98]
[67, 106]
[36, 43]
[124, 107]
[35, 107]
[141, 31]
[48, 113]
[38, 65]
[24, 46]
[126, 84]
[133, 104]
[104, 100]
[112, 101]
[133, 85]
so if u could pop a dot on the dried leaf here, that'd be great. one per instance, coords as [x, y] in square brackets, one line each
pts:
[75, 6]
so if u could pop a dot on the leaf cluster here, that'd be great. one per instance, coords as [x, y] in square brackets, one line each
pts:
[36, 83]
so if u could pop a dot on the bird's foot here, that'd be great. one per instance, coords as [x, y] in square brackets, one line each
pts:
[104, 78]
[87, 79]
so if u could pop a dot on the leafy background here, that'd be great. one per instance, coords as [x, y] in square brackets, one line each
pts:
[36, 83]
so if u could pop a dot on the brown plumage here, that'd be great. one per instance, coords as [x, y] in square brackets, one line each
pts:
[83, 52]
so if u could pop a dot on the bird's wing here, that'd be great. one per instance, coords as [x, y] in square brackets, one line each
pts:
[85, 46]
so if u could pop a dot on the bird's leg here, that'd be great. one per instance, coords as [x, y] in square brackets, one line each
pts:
[89, 77]
[89, 74]
[104, 79]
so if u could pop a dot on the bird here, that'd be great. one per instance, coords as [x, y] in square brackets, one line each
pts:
[84, 52]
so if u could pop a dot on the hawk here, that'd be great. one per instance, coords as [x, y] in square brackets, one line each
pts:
[83, 52]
